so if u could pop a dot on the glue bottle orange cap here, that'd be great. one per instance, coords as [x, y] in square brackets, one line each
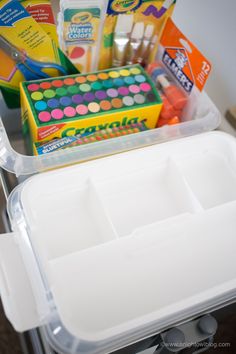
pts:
[174, 94]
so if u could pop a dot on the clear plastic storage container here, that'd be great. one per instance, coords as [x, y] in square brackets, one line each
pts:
[111, 251]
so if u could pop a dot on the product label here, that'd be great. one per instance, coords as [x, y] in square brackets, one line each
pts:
[177, 62]
[186, 63]
[81, 25]
[11, 13]
[122, 6]
[42, 13]
[56, 144]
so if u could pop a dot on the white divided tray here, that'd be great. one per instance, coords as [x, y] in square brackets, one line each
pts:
[132, 243]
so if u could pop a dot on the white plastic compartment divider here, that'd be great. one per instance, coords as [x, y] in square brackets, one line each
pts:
[207, 118]
[145, 196]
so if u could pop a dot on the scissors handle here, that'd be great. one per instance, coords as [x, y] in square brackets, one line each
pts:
[33, 70]
[28, 74]
[38, 66]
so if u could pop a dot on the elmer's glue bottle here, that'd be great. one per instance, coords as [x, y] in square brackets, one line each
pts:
[173, 93]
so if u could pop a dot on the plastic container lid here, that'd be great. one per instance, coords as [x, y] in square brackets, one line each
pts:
[117, 249]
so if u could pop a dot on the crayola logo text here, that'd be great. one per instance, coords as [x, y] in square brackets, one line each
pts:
[82, 17]
[124, 5]
[94, 128]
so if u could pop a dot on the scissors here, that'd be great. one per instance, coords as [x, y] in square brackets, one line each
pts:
[30, 68]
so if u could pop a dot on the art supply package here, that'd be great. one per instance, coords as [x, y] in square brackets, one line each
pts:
[27, 51]
[131, 31]
[180, 72]
[84, 104]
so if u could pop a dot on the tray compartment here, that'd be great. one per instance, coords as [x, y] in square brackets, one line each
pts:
[69, 222]
[145, 196]
[211, 177]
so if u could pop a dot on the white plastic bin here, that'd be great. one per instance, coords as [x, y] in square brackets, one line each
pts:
[113, 250]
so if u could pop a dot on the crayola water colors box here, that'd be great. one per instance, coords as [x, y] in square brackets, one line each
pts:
[21, 31]
[152, 13]
[84, 104]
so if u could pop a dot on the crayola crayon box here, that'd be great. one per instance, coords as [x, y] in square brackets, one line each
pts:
[19, 31]
[83, 104]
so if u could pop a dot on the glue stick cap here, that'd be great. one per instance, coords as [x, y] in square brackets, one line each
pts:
[174, 94]
[157, 72]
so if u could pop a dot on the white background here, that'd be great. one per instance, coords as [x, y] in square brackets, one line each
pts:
[211, 26]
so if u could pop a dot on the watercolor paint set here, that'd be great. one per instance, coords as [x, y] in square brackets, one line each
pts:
[82, 104]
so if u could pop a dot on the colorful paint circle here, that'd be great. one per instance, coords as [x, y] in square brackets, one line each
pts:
[145, 87]
[36, 96]
[89, 97]
[65, 101]
[57, 113]
[129, 80]
[69, 112]
[114, 74]
[40, 105]
[123, 91]
[80, 79]
[135, 71]
[107, 83]
[105, 105]
[128, 101]
[100, 95]
[73, 89]
[124, 72]
[45, 85]
[140, 78]
[57, 83]
[53, 103]
[69, 81]
[118, 82]
[82, 109]
[49, 93]
[92, 78]
[112, 92]
[94, 107]
[139, 99]
[33, 87]
[77, 99]
[61, 91]
[134, 89]
[116, 103]
[44, 116]
[84, 87]
[103, 76]
[96, 85]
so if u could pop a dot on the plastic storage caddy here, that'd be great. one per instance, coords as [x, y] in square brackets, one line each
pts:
[114, 250]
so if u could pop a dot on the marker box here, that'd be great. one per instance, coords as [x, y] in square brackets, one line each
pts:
[80, 104]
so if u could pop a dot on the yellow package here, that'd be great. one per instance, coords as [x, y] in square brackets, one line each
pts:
[132, 30]
[27, 51]
[84, 104]
[41, 11]
[80, 26]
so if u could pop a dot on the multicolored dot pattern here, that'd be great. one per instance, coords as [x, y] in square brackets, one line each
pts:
[85, 95]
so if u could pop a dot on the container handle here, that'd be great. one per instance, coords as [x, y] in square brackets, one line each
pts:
[15, 289]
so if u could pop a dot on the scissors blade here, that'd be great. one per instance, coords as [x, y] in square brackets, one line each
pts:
[10, 49]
